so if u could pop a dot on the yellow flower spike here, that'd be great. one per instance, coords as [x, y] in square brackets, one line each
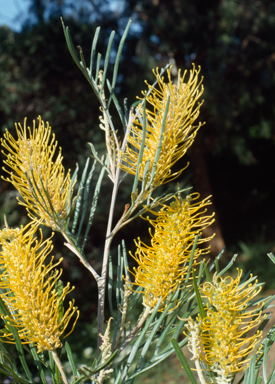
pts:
[179, 130]
[223, 330]
[28, 288]
[162, 266]
[41, 180]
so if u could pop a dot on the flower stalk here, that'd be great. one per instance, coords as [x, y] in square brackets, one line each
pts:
[127, 294]
[194, 346]
[134, 331]
[60, 367]
[106, 349]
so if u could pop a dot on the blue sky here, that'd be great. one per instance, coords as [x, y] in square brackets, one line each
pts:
[12, 13]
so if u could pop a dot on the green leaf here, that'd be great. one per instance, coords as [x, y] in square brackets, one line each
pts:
[170, 327]
[117, 105]
[93, 50]
[125, 260]
[228, 266]
[140, 155]
[161, 136]
[199, 300]
[152, 334]
[110, 285]
[267, 343]
[91, 372]
[38, 364]
[272, 257]
[183, 362]
[71, 359]
[79, 193]
[94, 205]
[119, 52]
[138, 341]
[191, 261]
[213, 264]
[208, 277]
[249, 377]
[70, 45]
[119, 281]
[5, 311]
[59, 286]
[86, 198]
[107, 58]
[52, 367]
[8, 366]
[217, 265]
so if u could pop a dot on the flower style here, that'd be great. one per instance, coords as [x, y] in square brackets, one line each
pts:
[163, 265]
[40, 180]
[225, 346]
[179, 131]
[29, 290]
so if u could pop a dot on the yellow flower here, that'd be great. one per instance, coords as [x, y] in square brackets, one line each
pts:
[163, 265]
[179, 132]
[39, 178]
[28, 288]
[223, 331]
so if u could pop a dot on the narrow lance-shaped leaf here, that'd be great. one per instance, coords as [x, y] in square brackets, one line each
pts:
[228, 266]
[153, 332]
[80, 193]
[86, 199]
[199, 300]
[116, 66]
[272, 257]
[70, 45]
[110, 285]
[117, 105]
[5, 311]
[184, 362]
[93, 50]
[191, 260]
[107, 58]
[38, 364]
[141, 149]
[71, 359]
[137, 343]
[93, 206]
[161, 137]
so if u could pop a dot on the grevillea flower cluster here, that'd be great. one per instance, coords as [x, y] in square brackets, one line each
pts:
[179, 131]
[29, 290]
[162, 266]
[41, 180]
[223, 332]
